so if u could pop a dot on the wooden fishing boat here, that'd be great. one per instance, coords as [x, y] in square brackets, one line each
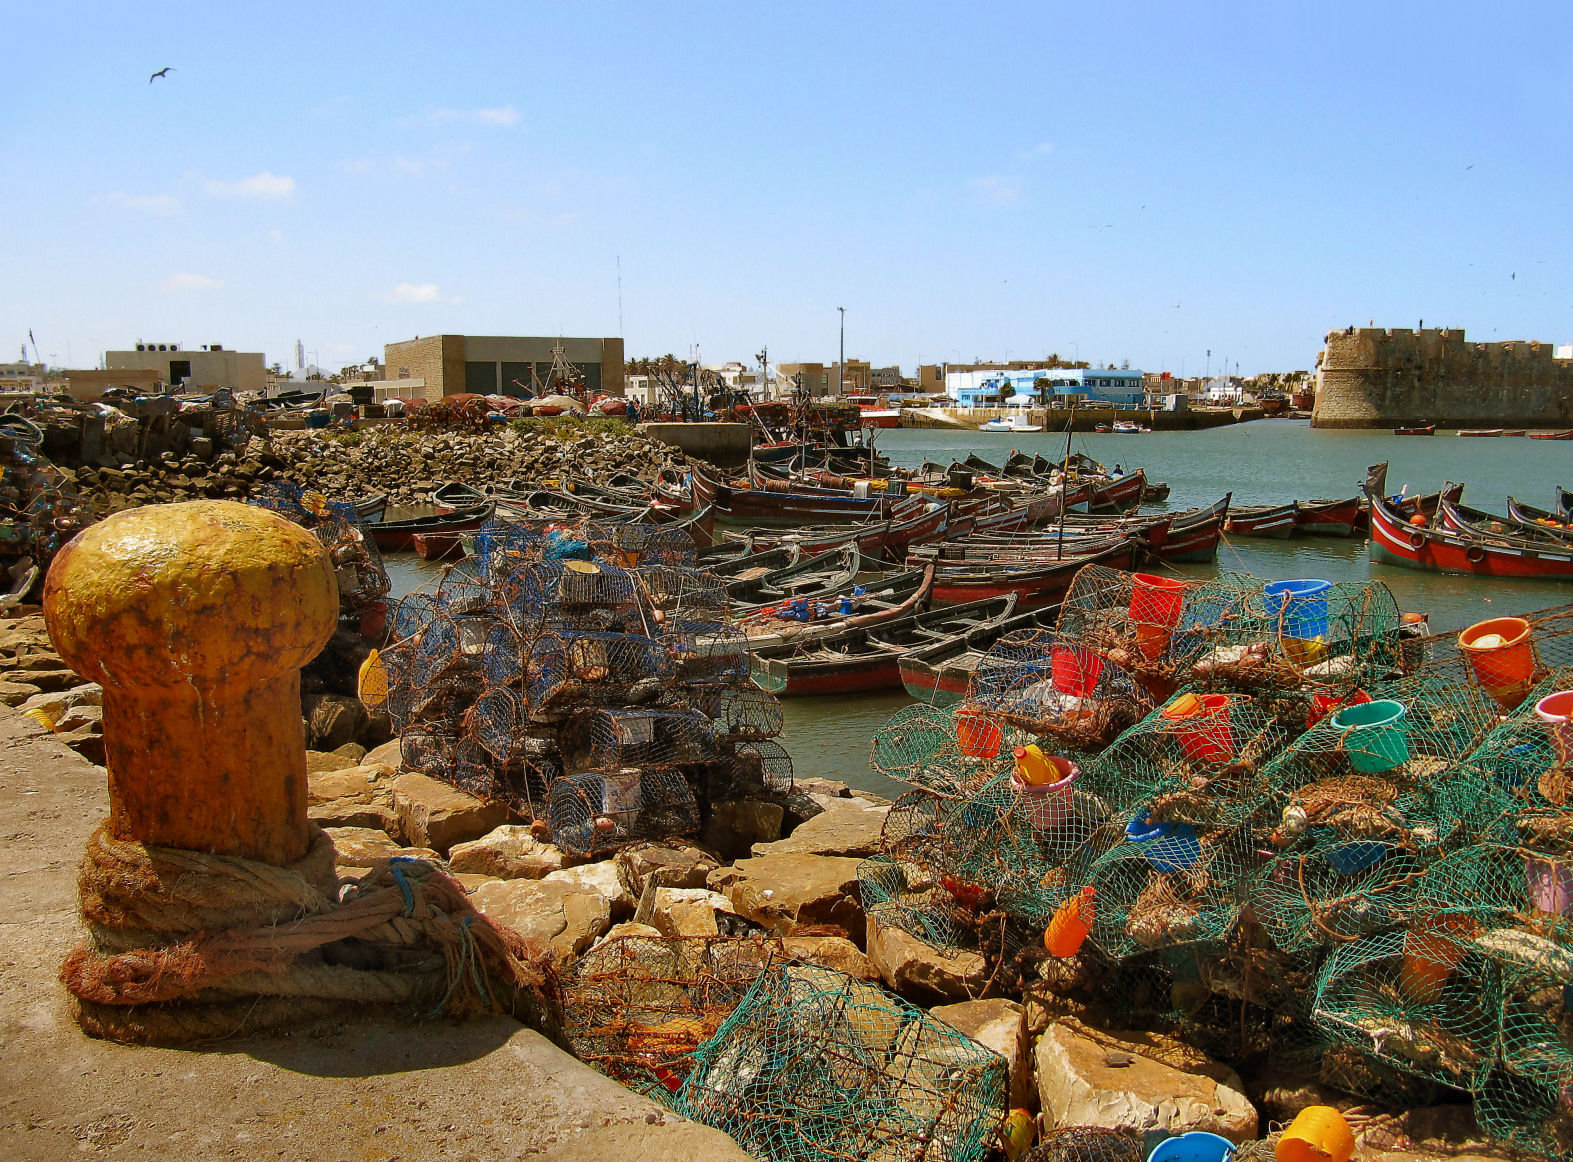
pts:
[453, 496]
[928, 524]
[813, 542]
[1561, 525]
[1480, 431]
[1514, 432]
[758, 564]
[1194, 541]
[399, 535]
[371, 509]
[1035, 584]
[943, 680]
[1157, 491]
[1431, 547]
[1566, 435]
[1475, 521]
[771, 509]
[864, 659]
[438, 546]
[1428, 430]
[873, 602]
[1118, 494]
[808, 577]
[1327, 518]
[1262, 520]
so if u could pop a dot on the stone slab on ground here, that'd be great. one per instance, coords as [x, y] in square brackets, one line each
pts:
[388, 754]
[919, 971]
[835, 952]
[321, 760]
[508, 852]
[687, 911]
[487, 1089]
[674, 863]
[1001, 1025]
[434, 814]
[1081, 1084]
[602, 879]
[848, 827]
[782, 893]
[553, 917]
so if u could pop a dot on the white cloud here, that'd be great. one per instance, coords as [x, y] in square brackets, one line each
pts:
[996, 189]
[190, 282]
[160, 204]
[258, 185]
[501, 116]
[414, 292]
[1042, 149]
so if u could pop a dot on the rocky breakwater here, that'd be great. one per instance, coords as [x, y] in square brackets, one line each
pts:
[405, 463]
[408, 464]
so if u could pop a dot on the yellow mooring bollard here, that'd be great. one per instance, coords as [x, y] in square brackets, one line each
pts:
[196, 619]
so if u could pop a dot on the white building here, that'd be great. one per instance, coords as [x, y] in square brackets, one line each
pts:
[22, 376]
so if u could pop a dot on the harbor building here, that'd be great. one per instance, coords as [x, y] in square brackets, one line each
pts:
[817, 380]
[202, 368]
[502, 364]
[1091, 385]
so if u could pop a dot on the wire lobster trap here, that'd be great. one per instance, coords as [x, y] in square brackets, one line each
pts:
[1044, 686]
[813, 1064]
[633, 545]
[609, 738]
[706, 653]
[676, 593]
[739, 712]
[596, 812]
[569, 593]
[1087, 1144]
[637, 1008]
[955, 750]
[750, 769]
[357, 563]
[569, 668]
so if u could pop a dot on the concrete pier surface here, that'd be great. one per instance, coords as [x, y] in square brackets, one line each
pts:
[357, 1088]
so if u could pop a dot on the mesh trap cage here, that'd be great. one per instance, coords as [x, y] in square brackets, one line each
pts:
[1040, 684]
[616, 737]
[675, 592]
[1087, 1144]
[750, 769]
[357, 563]
[574, 594]
[739, 712]
[952, 751]
[1135, 620]
[637, 1008]
[815, 1065]
[705, 652]
[1244, 633]
[569, 669]
[596, 812]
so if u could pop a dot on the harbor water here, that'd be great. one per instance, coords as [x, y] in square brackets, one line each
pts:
[1263, 462]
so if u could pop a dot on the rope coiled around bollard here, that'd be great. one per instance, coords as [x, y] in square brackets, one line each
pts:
[186, 946]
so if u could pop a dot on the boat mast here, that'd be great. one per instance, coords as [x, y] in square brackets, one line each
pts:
[1065, 484]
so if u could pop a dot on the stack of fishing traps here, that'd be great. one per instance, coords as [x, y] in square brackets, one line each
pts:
[357, 563]
[1273, 815]
[591, 679]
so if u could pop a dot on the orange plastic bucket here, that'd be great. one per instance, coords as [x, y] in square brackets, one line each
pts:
[977, 735]
[1201, 727]
[1155, 608]
[1317, 1134]
[1074, 670]
[1504, 667]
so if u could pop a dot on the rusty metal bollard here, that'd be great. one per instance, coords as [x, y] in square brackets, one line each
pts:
[196, 619]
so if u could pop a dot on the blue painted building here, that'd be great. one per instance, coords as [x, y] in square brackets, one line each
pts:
[1095, 385]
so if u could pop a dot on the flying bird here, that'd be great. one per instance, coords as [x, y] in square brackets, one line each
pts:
[163, 72]
[1471, 165]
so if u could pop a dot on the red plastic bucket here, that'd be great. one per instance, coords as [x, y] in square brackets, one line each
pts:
[1324, 704]
[977, 735]
[1155, 608]
[1507, 668]
[1074, 670]
[1201, 727]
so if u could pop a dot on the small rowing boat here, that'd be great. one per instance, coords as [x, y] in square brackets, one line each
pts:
[1428, 430]
[1327, 518]
[1480, 431]
[1276, 521]
[399, 535]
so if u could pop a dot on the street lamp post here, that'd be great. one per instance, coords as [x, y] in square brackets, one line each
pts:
[841, 365]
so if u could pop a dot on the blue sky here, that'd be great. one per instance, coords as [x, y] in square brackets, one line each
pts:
[1112, 181]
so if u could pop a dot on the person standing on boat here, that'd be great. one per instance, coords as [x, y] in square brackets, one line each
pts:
[1118, 471]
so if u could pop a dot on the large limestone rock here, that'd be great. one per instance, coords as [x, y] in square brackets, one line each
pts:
[508, 852]
[601, 879]
[919, 971]
[433, 814]
[358, 784]
[321, 760]
[1001, 1025]
[849, 827]
[782, 893]
[365, 846]
[735, 825]
[1083, 1080]
[388, 754]
[552, 916]
[688, 911]
[672, 863]
[835, 952]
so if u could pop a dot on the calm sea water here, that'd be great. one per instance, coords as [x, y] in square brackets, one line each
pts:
[1265, 462]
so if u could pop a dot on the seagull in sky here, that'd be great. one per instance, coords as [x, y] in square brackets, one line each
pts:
[163, 72]
[1471, 165]
[1101, 229]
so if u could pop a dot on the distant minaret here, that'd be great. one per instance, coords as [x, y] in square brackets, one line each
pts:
[300, 356]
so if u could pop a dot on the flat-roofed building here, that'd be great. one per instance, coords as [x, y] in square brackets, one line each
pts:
[206, 367]
[502, 364]
[817, 381]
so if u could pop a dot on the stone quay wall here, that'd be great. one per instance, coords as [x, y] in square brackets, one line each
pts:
[1377, 378]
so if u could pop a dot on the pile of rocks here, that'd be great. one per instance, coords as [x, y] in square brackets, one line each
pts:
[408, 464]
[35, 680]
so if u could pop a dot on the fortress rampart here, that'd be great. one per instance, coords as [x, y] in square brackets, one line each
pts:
[1369, 377]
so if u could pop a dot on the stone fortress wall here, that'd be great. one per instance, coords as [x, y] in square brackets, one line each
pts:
[1370, 377]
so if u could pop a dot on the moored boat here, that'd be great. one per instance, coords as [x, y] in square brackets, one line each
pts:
[1480, 431]
[399, 535]
[1036, 584]
[1566, 435]
[1276, 521]
[1428, 430]
[863, 659]
[1327, 518]
[943, 680]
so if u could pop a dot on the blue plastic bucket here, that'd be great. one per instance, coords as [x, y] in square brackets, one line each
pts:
[1377, 740]
[1194, 1146]
[1302, 605]
[1168, 847]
